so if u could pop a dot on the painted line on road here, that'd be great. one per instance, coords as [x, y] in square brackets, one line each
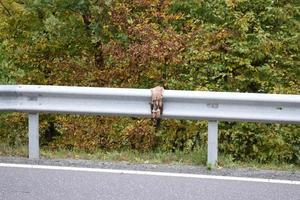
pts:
[149, 173]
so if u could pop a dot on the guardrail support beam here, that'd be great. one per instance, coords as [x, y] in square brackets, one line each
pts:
[212, 151]
[33, 134]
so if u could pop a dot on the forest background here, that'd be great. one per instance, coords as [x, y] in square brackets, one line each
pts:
[207, 45]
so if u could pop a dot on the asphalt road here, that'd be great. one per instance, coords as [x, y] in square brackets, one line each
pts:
[52, 184]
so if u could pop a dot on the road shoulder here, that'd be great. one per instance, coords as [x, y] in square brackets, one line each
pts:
[236, 172]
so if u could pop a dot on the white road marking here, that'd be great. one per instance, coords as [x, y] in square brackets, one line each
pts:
[149, 173]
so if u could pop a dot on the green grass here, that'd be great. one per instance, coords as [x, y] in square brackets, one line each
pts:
[156, 157]
[6, 150]
[197, 157]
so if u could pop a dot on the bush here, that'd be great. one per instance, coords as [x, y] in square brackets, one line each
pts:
[220, 45]
[140, 135]
[261, 142]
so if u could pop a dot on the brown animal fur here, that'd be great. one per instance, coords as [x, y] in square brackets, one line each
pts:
[157, 104]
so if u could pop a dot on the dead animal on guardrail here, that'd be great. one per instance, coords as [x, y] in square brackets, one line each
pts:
[157, 104]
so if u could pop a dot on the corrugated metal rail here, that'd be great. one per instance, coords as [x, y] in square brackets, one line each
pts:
[194, 105]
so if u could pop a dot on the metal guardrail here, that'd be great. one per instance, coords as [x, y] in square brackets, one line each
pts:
[195, 105]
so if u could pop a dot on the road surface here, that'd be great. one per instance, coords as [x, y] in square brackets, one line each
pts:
[29, 182]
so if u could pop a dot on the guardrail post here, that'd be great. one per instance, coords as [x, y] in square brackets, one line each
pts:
[212, 151]
[33, 134]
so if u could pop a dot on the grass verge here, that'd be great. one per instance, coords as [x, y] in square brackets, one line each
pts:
[197, 157]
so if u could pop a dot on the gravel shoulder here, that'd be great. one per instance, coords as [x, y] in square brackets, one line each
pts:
[238, 172]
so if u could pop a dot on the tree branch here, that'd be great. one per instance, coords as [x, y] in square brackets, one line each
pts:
[5, 8]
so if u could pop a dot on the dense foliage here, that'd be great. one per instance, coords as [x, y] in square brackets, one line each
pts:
[218, 45]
